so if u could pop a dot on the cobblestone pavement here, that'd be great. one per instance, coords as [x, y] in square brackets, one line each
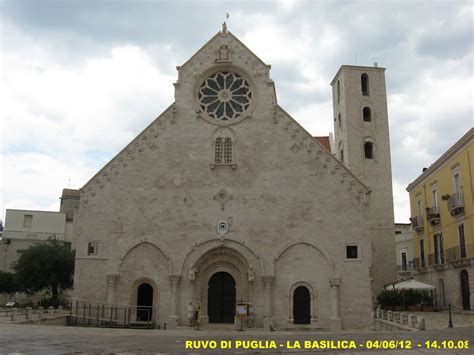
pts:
[40, 339]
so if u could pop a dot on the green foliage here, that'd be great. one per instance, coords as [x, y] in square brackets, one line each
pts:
[412, 297]
[404, 298]
[8, 283]
[46, 266]
[426, 298]
[389, 298]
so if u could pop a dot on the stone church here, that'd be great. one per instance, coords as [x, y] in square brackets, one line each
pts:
[225, 198]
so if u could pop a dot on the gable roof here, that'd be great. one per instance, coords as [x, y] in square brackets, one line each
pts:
[324, 141]
[224, 34]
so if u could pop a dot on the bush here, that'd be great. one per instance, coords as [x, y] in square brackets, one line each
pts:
[389, 298]
[426, 298]
[412, 297]
[50, 301]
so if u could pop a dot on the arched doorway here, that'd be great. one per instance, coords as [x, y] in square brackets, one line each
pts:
[465, 292]
[221, 298]
[301, 306]
[144, 302]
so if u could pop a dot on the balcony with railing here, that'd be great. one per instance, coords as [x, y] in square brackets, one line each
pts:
[417, 223]
[432, 215]
[405, 268]
[456, 204]
[419, 264]
[436, 259]
[460, 253]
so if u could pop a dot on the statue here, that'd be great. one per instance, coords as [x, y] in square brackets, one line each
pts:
[192, 274]
[224, 27]
[223, 54]
[251, 273]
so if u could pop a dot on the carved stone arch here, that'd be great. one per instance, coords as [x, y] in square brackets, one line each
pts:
[133, 245]
[224, 132]
[313, 296]
[200, 249]
[215, 259]
[289, 245]
[235, 253]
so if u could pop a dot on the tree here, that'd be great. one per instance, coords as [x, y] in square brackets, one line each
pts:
[8, 283]
[46, 266]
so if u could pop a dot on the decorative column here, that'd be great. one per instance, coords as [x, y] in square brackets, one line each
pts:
[334, 320]
[174, 316]
[250, 278]
[111, 291]
[268, 283]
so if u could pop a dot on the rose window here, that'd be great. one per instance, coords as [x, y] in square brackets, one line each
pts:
[225, 96]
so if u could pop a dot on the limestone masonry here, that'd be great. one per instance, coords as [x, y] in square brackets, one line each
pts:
[225, 198]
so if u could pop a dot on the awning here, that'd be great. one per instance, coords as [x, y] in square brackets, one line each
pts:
[413, 285]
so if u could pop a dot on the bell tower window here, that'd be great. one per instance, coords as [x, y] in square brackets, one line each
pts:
[369, 150]
[338, 91]
[367, 114]
[364, 82]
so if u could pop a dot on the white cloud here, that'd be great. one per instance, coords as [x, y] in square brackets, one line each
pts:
[84, 110]
[35, 181]
[316, 118]
[64, 119]
[401, 202]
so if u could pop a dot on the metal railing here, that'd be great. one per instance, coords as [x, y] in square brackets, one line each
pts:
[460, 252]
[405, 268]
[456, 204]
[417, 223]
[102, 314]
[432, 215]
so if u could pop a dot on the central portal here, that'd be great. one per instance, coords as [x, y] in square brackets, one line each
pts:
[221, 298]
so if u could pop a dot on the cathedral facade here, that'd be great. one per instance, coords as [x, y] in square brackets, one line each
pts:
[224, 198]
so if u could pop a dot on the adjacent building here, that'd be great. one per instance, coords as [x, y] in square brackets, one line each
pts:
[24, 228]
[441, 201]
[404, 250]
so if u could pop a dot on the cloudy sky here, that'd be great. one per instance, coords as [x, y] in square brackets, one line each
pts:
[80, 79]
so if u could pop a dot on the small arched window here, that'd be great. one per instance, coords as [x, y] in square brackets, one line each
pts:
[338, 92]
[342, 155]
[218, 151]
[369, 150]
[367, 114]
[228, 151]
[223, 153]
[339, 120]
[364, 83]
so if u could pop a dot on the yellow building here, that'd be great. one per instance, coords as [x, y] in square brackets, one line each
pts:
[442, 209]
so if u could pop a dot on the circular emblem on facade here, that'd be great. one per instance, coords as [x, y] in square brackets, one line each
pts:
[222, 227]
[225, 96]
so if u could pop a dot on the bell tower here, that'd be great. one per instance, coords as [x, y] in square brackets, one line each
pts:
[362, 143]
